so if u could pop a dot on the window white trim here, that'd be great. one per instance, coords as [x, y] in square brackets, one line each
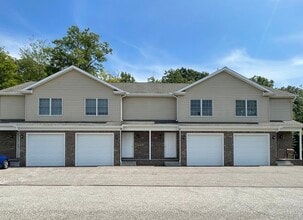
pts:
[201, 109]
[96, 100]
[248, 116]
[50, 106]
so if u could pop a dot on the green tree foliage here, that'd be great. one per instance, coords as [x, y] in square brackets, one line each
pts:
[298, 102]
[80, 48]
[33, 62]
[263, 81]
[126, 77]
[182, 75]
[8, 69]
[123, 77]
[152, 79]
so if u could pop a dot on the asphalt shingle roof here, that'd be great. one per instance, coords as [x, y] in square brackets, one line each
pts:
[142, 87]
[156, 88]
[17, 88]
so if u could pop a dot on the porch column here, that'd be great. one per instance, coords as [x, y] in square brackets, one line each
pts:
[18, 144]
[300, 143]
[149, 144]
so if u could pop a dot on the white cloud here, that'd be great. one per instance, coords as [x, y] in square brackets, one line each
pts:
[12, 43]
[291, 38]
[143, 71]
[283, 72]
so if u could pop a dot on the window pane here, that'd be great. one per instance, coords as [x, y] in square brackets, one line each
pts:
[56, 107]
[90, 107]
[43, 106]
[207, 108]
[251, 107]
[195, 107]
[102, 107]
[240, 108]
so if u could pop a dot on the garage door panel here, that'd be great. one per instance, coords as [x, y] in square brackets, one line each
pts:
[205, 150]
[251, 149]
[45, 150]
[94, 149]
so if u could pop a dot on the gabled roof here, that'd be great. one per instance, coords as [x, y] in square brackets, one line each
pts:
[16, 90]
[231, 72]
[150, 88]
[277, 93]
[66, 70]
[144, 88]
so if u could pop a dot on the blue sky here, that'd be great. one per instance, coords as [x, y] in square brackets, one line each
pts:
[252, 37]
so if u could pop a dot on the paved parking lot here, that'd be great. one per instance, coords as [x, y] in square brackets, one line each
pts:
[152, 193]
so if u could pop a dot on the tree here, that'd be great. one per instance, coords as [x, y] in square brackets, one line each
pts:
[182, 75]
[123, 77]
[8, 68]
[33, 62]
[152, 79]
[298, 102]
[126, 77]
[263, 81]
[80, 48]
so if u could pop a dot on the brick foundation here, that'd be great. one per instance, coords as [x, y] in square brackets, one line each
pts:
[8, 143]
[141, 144]
[285, 142]
[157, 145]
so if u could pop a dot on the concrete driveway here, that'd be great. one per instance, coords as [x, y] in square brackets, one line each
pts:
[152, 193]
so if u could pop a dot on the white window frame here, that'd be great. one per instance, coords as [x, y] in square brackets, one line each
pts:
[201, 108]
[50, 106]
[251, 116]
[96, 100]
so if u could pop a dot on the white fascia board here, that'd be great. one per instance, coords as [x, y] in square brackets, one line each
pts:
[11, 94]
[231, 72]
[69, 128]
[179, 93]
[149, 127]
[55, 75]
[8, 128]
[228, 128]
[149, 95]
[120, 92]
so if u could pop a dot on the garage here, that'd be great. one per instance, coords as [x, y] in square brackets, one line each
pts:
[94, 149]
[205, 149]
[45, 149]
[251, 150]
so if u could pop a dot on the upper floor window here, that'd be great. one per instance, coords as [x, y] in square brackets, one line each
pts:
[246, 107]
[50, 106]
[96, 106]
[201, 107]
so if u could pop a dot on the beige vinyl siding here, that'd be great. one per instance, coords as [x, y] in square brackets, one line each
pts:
[149, 108]
[281, 109]
[73, 87]
[224, 90]
[12, 107]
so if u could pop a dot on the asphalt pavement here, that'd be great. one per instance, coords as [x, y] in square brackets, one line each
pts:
[152, 193]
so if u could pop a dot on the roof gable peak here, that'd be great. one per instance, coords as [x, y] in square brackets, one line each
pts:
[66, 70]
[232, 73]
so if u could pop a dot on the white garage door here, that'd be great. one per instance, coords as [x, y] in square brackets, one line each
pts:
[94, 149]
[251, 149]
[205, 149]
[45, 149]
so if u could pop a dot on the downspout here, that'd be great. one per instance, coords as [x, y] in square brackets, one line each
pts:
[121, 107]
[121, 146]
[121, 120]
[300, 144]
